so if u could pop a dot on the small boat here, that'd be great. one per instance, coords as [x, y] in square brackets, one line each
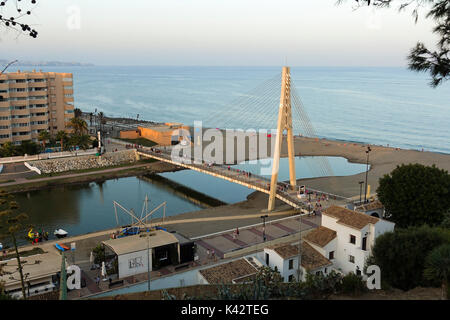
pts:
[61, 247]
[60, 233]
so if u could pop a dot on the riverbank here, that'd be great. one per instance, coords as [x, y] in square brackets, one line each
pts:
[85, 176]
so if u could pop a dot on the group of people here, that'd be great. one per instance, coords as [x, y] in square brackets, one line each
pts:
[36, 237]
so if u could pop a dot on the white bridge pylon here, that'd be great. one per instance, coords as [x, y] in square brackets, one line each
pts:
[284, 122]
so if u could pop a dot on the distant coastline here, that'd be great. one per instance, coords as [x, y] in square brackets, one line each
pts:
[25, 63]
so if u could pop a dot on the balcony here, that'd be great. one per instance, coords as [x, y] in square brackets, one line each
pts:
[19, 94]
[20, 120]
[4, 104]
[67, 99]
[4, 86]
[18, 85]
[43, 126]
[38, 101]
[68, 83]
[37, 84]
[68, 91]
[18, 103]
[21, 138]
[39, 92]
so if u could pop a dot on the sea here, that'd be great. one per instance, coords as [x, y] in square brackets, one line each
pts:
[377, 105]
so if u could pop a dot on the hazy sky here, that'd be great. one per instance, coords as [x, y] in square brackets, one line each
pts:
[217, 32]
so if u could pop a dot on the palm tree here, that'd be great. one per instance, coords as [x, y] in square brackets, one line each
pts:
[78, 125]
[61, 135]
[437, 267]
[44, 136]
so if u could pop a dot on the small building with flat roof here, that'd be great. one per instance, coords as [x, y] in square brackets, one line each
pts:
[40, 272]
[164, 134]
[132, 254]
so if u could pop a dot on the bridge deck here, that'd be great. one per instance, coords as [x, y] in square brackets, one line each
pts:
[249, 180]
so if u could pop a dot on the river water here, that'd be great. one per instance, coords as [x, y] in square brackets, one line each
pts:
[88, 207]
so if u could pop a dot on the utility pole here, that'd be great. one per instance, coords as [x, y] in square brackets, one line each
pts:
[299, 267]
[264, 226]
[367, 171]
[360, 191]
[148, 259]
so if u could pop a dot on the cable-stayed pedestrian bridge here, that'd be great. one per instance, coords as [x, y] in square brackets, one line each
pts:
[284, 191]
[257, 110]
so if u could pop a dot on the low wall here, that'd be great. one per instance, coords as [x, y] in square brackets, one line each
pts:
[32, 168]
[84, 162]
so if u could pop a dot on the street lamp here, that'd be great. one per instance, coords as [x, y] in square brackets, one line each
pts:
[360, 190]
[264, 226]
[367, 171]
[148, 256]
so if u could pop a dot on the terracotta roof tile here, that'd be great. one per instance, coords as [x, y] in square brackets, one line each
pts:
[353, 219]
[370, 206]
[321, 236]
[227, 272]
[311, 258]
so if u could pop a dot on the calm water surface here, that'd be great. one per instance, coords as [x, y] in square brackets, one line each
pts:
[89, 207]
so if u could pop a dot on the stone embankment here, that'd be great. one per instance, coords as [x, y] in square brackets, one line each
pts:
[85, 162]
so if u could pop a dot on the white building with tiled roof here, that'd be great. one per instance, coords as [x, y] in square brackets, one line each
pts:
[347, 237]
[284, 257]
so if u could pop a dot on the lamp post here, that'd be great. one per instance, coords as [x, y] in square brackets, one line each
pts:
[264, 226]
[367, 171]
[148, 257]
[360, 191]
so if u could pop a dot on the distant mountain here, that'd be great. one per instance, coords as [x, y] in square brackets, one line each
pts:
[24, 63]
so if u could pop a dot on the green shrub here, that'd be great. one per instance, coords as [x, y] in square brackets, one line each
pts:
[353, 284]
[401, 255]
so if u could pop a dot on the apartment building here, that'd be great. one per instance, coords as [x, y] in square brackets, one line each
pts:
[32, 101]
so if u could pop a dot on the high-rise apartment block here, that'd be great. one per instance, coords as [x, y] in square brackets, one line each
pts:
[33, 101]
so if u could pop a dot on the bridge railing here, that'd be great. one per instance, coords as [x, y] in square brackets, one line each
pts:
[251, 178]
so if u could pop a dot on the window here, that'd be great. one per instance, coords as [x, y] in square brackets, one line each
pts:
[318, 273]
[325, 271]
[358, 272]
[291, 264]
[351, 259]
[267, 259]
[352, 239]
[364, 244]
[291, 278]
[331, 255]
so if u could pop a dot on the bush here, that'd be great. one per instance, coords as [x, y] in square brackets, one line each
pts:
[353, 284]
[401, 255]
[99, 254]
[414, 195]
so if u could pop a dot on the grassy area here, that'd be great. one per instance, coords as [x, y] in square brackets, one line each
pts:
[56, 174]
[141, 141]
[12, 253]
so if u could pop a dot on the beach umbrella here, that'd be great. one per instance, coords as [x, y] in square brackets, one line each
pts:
[91, 258]
[103, 269]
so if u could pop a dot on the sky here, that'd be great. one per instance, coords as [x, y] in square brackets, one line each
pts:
[217, 33]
